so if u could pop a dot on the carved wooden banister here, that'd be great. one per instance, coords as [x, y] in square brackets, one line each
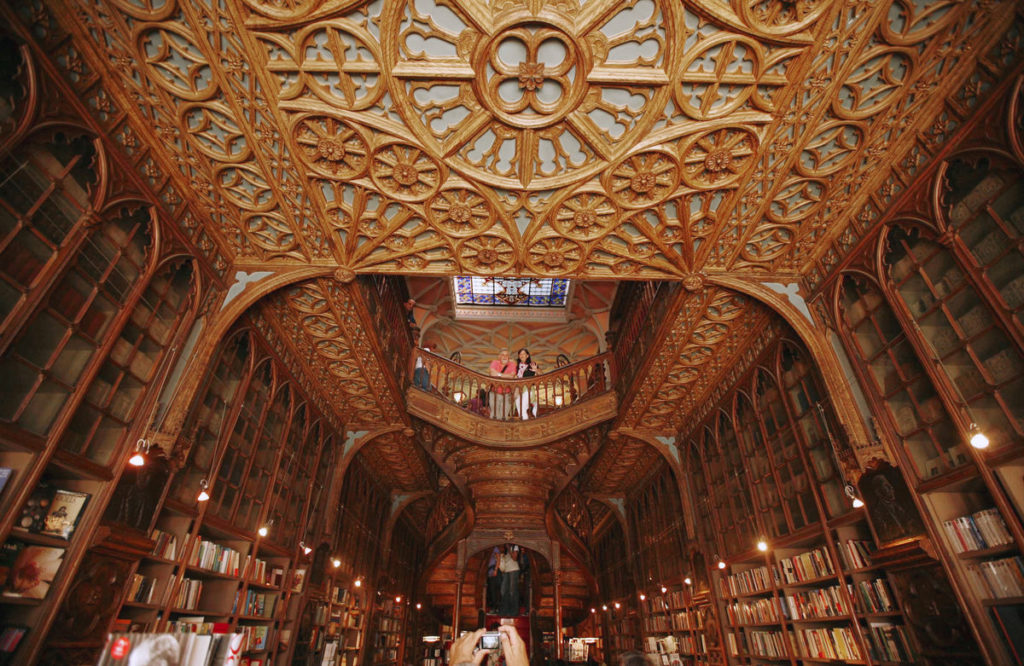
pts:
[567, 399]
[550, 391]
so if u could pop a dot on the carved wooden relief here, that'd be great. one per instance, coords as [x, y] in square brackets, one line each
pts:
[622, 139]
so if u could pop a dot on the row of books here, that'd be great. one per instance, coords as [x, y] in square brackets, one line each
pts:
[681, 621]
[980, 530]
[140, 590]
[184, 649]
[259, 603]
[273, 576]
[188, 594]
[197, 624]
[749, 581]
[806, 566]
[166, 544]
[827, 643]
[215, 557]
[753, 612]
[390, 624]
[256, 637]
[874, 596]
[997, 579]
[856, 553]
[817, 603]
[763, 644]
[889, 643]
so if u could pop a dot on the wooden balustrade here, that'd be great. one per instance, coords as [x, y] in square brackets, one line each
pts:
[548, 392]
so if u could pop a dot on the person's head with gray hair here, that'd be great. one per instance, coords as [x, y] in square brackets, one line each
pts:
[633, 658]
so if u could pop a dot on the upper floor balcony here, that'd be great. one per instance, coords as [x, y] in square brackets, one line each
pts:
[511, 412]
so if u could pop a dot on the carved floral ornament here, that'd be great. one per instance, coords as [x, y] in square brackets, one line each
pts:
[644, 138]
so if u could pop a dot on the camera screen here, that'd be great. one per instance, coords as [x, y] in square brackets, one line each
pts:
[490, 641]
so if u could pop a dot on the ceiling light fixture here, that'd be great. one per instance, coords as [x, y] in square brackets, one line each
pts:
[336, 562]
[138, 459]
[978, 438]
[762, 546]
[203, 495]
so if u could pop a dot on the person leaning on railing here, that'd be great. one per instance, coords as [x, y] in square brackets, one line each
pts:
[525, 368]
[501, 395]
[421, 375]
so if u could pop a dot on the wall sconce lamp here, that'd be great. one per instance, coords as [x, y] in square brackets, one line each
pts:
[138, 459]
[978, 439]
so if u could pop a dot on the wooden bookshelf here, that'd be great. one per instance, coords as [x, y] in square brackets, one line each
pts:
[953, 360]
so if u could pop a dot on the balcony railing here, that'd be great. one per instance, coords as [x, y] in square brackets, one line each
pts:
[548, 392]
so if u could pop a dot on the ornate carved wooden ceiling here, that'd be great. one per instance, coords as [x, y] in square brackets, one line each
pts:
[597, 139]
[510, 488]
[713, 331]
[641, 138]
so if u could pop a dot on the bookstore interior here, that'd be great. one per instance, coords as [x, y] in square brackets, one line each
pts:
[331, 330]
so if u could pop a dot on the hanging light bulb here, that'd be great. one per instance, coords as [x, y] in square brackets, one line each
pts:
[618, 605]
[306, 550]
[664, 589]
[203, 495]
[139, 458]
[593, 610]
[604, 607]
[398, 599]
[358, 582]
[851, 492]
[419, 606]
[721, 564]
[336, 562]
[262, 531]
[762, 545]
[978, 438]
[688, 580]
[643, 596]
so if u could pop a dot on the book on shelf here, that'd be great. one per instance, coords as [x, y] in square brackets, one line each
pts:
[998, 578]
[298, 579]
[188, 649]
[888, 642]
[31, 569]
[215, 557]
[5, 475]
[977, 531]
[806, 566]
[140, 589]
[874, 596]
[166, 544]
[10, 639]
[856, 553]
[65, 510]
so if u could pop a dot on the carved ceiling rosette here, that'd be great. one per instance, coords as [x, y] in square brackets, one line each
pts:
[531, 95]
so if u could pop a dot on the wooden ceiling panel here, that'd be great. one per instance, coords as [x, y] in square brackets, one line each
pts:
[647, 139]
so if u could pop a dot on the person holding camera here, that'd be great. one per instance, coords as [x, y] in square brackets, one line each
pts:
[468, 650]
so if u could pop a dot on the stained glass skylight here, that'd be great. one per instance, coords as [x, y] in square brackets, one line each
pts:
[508, 291]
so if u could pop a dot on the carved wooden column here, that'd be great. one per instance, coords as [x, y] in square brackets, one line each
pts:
[557, 573]
[460, 575]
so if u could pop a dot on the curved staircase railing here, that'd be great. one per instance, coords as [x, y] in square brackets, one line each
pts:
[549, 392]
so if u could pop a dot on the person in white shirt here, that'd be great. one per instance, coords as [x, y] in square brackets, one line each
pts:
[509, 567]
